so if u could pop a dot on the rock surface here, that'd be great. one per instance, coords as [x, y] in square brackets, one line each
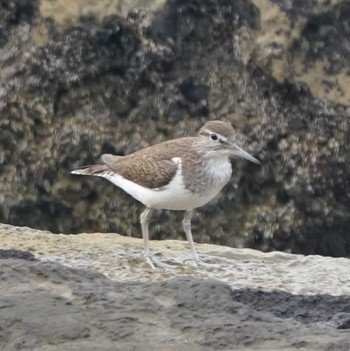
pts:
[112, 77]
[93, 291]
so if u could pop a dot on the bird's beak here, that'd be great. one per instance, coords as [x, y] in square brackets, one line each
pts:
[241, 153]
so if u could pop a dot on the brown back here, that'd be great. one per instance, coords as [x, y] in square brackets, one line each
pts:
[151, 167]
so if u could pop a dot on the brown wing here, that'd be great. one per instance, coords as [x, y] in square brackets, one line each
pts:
[148, 173]
[151, 167]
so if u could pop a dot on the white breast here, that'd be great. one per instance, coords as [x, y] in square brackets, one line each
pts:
[219, 172]
[175, 196]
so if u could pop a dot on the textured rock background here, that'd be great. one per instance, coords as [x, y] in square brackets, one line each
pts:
[110, 76]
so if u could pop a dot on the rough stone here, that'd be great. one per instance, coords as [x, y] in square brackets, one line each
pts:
[109, 78]
[93, 291]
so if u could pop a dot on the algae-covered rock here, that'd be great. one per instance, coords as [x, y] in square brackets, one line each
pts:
[115, 77]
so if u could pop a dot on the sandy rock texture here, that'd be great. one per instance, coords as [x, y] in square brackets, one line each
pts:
[93, 291]
[114, 76]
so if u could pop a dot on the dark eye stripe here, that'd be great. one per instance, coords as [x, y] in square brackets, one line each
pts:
[208, 133]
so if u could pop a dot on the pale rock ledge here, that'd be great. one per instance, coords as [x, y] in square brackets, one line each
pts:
[119, 258]
[94, 292]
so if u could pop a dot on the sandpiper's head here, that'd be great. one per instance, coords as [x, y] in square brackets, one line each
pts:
[220, 137]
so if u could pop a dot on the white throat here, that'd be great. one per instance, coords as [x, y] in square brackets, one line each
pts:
[219, 170]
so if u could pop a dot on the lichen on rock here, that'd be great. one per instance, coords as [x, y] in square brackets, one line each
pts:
[116, 80]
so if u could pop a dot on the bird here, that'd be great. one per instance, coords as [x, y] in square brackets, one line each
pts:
[180, 174]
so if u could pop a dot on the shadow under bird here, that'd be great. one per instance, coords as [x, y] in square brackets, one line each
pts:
[180, 174]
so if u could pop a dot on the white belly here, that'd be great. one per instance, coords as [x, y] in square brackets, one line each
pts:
[173, 196]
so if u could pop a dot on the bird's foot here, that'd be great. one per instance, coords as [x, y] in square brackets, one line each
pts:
[158, 260]
[196, 262]
[155, 262]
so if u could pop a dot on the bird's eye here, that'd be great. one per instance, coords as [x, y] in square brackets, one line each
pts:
[214, 136]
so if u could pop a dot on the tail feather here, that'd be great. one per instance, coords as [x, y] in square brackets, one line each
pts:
[90, 170]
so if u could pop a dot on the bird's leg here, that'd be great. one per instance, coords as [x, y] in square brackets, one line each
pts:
[186, 224]
[145, 219]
